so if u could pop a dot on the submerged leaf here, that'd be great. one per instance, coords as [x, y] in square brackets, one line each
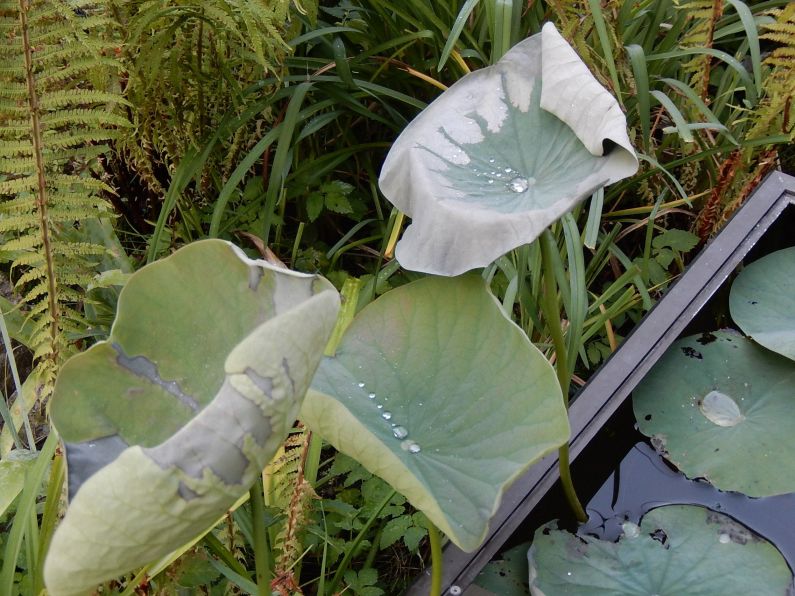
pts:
[437, 392]
[502, 154]
[680, 549]
[720, 407]
[169, 422]
[762, 301]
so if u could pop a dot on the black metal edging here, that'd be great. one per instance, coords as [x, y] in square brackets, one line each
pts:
[612, 383]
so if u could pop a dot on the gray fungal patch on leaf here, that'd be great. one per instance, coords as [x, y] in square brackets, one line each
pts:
[142, 367]
[89, 457]
[264, 384]
[731, 531]
[214, 439]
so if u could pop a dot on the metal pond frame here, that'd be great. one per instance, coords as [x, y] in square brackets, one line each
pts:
[612, 383]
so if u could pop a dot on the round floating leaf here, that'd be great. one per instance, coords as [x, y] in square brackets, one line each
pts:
[502, 154]
[436, 391]
[169, 422]
[681, 549]
[762, 301]
[720, 407]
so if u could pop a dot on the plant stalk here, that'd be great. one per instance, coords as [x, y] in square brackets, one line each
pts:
[436, 559]
[262, 555]
[549, 306]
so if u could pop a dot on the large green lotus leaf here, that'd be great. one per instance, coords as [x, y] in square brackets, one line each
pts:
[720, 407]
[437, 392]
[679, 550]
[169, 422]
[502, 154]
[762, 301]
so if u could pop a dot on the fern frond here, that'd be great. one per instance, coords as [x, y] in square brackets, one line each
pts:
[51, 119]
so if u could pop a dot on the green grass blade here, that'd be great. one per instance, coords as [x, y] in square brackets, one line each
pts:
[638, 280]
[455, 31]
[278, 170]
[594, 218]
[607, 47]
[637, 58]
[577, 288]
[708, 114]
[753, 40]
[676, 116]
[26, 506]
[310, 35]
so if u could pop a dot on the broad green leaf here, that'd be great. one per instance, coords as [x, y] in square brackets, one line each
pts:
[720, 407]
[12, 475]
[506, 575]
[437, 392]
[679, 549]
[762, 301]
[169, 422]
[502, 154]
[679, 240]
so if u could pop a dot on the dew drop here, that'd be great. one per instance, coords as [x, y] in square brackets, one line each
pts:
[380, 406]
[520, 184]
[371, 395]
[491, 181]
[508, 170]
[400, 432]
[410, 446]
[724, 538]
[492, 160]
[386, 415]
[720, 409]
[360, 384]
[630, 529]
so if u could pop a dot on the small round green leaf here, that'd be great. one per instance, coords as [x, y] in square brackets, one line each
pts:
[720, 407]
[762, 301]
[679, 550]
[168, 422]
[436, 391]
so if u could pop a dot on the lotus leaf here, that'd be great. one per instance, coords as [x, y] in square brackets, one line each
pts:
[720, 407]
[502, 154]
[168, 422]
[762, 301]
[680, 549]
[435, 390]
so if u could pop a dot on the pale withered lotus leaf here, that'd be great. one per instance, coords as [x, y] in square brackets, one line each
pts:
[502, 154]
[679, 549]
[437, 392]
[762, 301]
[168, 422]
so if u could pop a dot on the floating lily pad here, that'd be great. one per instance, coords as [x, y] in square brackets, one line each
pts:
[437, 392]
[502, 154]
[722, 408]
[762, 301]
[678, 550]
[172, 419]
[505, 575]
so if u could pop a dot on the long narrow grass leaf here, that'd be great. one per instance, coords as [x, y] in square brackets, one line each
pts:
[676, 115]
[607, 47]
[752, 36]
[708, 114]
[594, 218]
[637, 58]
[455, 31]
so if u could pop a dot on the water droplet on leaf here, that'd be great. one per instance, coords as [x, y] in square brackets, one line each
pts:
[400, 432]
[386, 415]
[519, 184]
[720, 409]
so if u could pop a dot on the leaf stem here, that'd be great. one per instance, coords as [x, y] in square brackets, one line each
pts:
[262, 555]
[550, 308]
[436, 559]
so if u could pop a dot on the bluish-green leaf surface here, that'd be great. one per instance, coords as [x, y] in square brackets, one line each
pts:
[168, 422]
[721, 407]
[762, 301]
[502, 154]
[678, 550]
[437, 392]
